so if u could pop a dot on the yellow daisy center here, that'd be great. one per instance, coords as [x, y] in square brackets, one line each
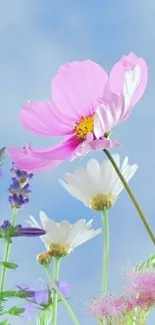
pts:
[85, 126]
[102, 201]
[59, 249]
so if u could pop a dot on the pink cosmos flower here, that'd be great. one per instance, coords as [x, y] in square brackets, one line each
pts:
[86, 105]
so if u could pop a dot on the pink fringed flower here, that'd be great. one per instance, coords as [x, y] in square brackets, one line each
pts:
[86, 105]
[110, 306]
[143, 287]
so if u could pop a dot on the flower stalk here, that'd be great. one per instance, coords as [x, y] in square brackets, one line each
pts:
[132, 197]
[7, 251]
[105, 222]
[55, 297]
[61, 297]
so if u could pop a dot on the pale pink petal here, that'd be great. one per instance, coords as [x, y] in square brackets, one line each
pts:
[94, 145]
[108, 115]
[128, 63]
[29, 162]
[104, 143]
[45, 119]
[77, 88]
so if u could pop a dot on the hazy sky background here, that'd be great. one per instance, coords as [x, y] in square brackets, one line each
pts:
[36, 38]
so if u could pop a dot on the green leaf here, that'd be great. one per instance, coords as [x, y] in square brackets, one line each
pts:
[14, 294]
[16, 310]
[4, 322]
[9, 265]
[149, 263]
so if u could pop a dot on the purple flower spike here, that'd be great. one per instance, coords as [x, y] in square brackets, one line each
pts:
[20, 188]
[30, 232]
[5, 225]
[64, 288]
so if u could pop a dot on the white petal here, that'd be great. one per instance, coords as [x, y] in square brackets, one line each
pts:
[89, 224]
[85, 236]
[64, 231]
[76, 229]
[77, 193]
[108, 175]
[83, 184]
[93, 169]
[52, 231]
[125, 162]
[33, 222]
[43, 218]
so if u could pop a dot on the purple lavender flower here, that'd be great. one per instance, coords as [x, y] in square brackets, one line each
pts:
[7, 231]
[20, 188]
[5, 225]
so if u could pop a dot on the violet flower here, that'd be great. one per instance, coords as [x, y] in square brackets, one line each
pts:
[41, 298]
[20, 188]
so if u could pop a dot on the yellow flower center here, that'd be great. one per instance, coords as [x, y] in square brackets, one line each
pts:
[59, 249]
[85, 126]
[102, 201]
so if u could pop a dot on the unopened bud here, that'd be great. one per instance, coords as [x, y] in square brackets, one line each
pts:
[44, 258]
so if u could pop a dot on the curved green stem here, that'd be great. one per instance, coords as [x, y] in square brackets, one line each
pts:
[132, 197]
[7, 252]
[66, 304]
[55, 297]
[105, 221]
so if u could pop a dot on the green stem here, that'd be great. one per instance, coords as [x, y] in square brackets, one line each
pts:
[7, 252]
[66, 304]
[105, 221]
[132, 197]
[55, 297]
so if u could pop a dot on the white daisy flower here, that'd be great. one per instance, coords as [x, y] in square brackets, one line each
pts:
[61, 238]
[98, 186]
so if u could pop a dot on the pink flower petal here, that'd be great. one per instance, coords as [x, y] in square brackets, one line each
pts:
[77, 88]
[128, 63]
[29, 162]
[101, 144]
[97, 145]
[45, 119]
[108, 114]
[42, 159]
[62, 151]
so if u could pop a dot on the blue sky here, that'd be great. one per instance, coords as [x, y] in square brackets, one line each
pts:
[36, 38]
